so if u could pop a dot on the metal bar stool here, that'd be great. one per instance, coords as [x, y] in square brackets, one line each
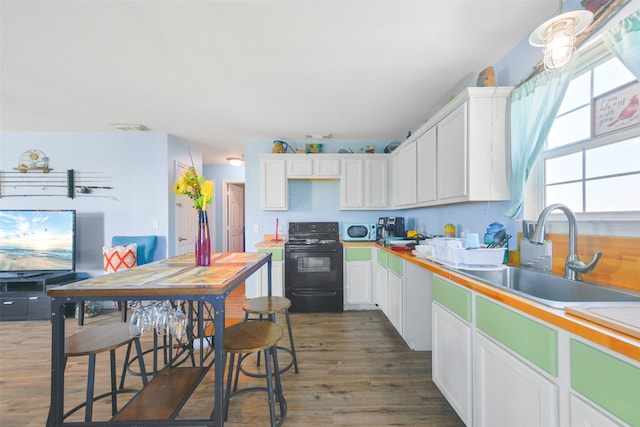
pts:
[270, 306]
[93, 340]
[252, 337]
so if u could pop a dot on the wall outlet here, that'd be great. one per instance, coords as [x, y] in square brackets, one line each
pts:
[256, 228]
[279, 229]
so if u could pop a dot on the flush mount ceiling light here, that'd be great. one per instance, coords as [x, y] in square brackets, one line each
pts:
[318, 135]
[130, 127]
[557, 36]
[235, 161]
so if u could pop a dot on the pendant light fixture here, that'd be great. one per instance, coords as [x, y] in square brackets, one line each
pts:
[557, 37]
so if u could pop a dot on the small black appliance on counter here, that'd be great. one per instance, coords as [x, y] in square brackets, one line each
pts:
[390, 226]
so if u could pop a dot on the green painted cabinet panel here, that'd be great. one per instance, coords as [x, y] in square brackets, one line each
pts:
[357, 254]
[532, 340]
[383, 258]
[276, 253]
[395, 264]
[453, 297]
[607, 381]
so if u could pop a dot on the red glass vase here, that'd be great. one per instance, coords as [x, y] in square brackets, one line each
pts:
[203, 240]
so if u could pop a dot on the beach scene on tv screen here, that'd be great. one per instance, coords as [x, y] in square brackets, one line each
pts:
[36, 240]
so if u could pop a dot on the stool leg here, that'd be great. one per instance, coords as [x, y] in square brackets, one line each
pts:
[125, 366]
[80, 305]
[124, 311]
[293, 348]
[271, 395]
[258, 355]
[279, 393]
[235, 382]
[143, 371]
[114, 397]
[90, 381]
[228, 391]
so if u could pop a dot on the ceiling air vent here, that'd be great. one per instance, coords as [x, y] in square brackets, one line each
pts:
[132, 127]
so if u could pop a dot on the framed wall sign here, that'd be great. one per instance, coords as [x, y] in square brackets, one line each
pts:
[617, 109]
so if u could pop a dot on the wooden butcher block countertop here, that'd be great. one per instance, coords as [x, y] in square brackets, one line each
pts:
[622, 318]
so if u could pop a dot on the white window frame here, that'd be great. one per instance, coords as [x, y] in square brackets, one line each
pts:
[621, 224]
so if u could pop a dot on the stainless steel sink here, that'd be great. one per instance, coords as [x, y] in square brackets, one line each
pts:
[550, 289]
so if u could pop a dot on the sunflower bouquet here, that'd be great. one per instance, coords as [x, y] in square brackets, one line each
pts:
[195, 187]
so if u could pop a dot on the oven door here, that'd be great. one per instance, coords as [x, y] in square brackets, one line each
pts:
[313, 278]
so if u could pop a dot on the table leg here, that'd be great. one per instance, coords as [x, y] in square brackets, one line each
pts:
[218, 347]
[56, 410]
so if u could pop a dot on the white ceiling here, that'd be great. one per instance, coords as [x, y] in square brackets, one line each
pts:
[219, 73]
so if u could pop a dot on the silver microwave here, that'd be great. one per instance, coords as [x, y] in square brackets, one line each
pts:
[359, 232]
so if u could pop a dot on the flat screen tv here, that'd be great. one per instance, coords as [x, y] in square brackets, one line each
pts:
[35, 242]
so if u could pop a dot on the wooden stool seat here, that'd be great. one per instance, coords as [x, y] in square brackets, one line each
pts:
[251, 337]
[266, 305]
[93, 340]
[98, 339]
[254, 337]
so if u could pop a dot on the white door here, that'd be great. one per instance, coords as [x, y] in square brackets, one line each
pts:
[186, 219]
[235, 217]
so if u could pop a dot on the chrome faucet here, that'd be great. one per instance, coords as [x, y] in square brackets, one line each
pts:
[574, 267]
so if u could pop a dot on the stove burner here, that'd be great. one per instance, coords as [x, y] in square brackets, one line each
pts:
[313, 233]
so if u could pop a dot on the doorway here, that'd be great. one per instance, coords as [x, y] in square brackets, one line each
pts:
[186, 218]
[233, 233]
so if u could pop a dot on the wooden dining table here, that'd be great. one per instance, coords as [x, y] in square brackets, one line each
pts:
[172, 279]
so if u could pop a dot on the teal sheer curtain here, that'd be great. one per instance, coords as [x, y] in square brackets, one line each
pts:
[534, 107]
[623, 40]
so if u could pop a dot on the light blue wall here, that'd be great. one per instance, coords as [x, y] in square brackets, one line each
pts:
[139, 167]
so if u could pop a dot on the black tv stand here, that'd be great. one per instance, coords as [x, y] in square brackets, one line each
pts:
[24, 297]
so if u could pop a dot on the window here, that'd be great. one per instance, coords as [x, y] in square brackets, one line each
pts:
[589, 171]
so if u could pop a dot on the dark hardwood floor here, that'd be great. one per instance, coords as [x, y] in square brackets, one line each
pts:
[355, 370]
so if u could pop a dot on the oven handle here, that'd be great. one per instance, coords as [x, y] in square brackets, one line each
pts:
[313, 293]
[309, 249]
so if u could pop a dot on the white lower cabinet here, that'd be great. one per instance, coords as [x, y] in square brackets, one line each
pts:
[582, 414]
[277, 277]
[452, 360]
[498, 366]
[394, 301]
[359, 281]
[382, 280]
[508, 392]
[416, 293]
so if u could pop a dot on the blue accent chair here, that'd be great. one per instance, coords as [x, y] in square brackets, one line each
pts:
[146, 246]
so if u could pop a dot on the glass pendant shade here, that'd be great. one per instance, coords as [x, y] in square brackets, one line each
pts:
[559, 44]
[557, 37]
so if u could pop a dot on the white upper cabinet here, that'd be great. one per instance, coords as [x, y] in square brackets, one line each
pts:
[273, 184]
[405, 174]
[461, 154]
[364, 182]
[426, 168]
[451, 155]
[312, 166]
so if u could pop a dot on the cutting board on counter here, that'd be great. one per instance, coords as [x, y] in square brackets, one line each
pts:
[622, 318]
